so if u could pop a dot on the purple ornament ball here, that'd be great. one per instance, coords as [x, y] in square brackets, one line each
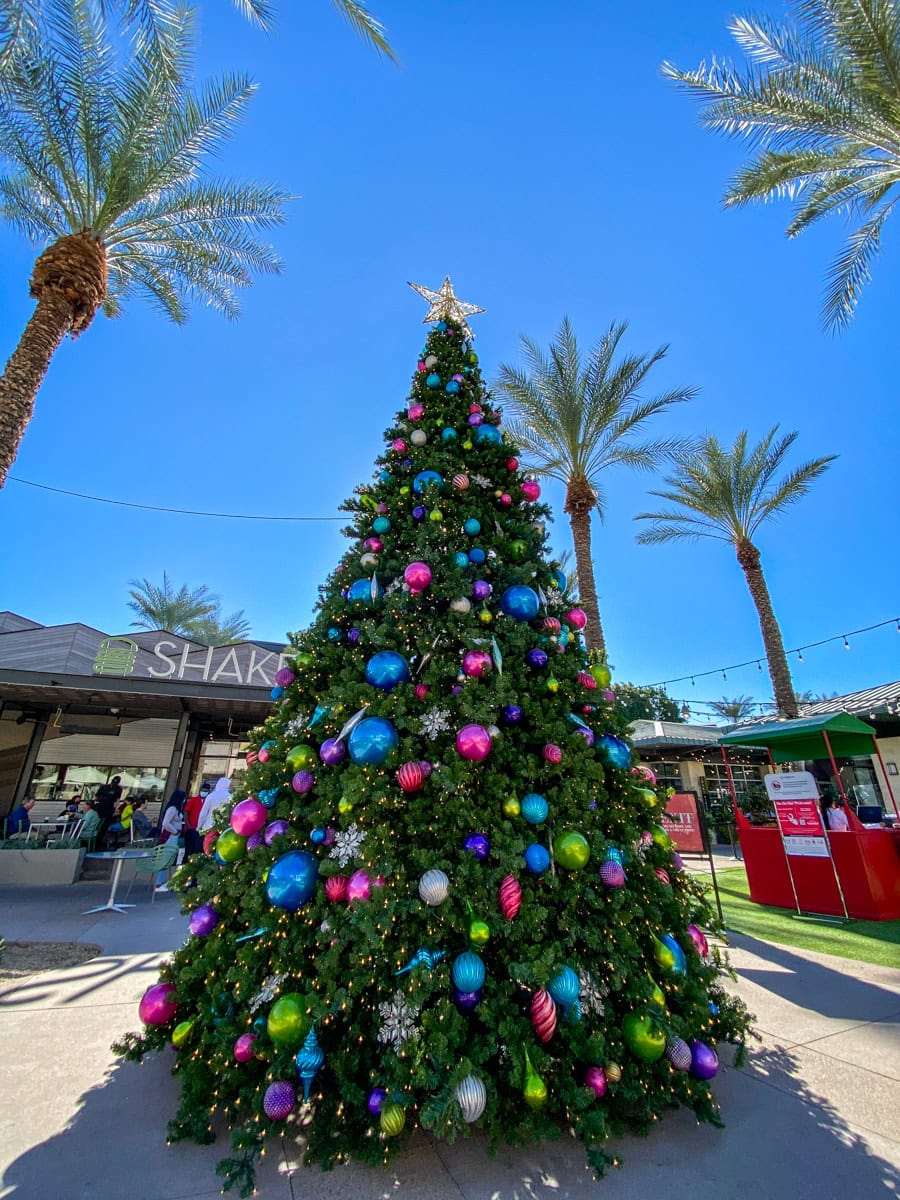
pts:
[537, 659]
[248, 817]
[478, 844]
[426, 766]
[512, 714]
[704, 1063]
[595, 1079]
[611, 874]
[273, 830]
[353, 635]
[377, 1097]
[332, 751]
[481, 589]
[454, 691]
[475, 419]
[279, 1100]
[203, 920]
[303, 782]
[255, 840]
[466, 1000]
[418, 515]
[158, 1004]
[285, 677]
[587, 734]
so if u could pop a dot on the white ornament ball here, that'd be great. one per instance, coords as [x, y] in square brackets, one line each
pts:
[368, 560]
[431, 360]
[471, 1096]
[462, 605]
[418, 437]
[434, 887]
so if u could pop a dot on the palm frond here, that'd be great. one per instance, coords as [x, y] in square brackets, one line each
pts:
[852, 270]
[367, 26]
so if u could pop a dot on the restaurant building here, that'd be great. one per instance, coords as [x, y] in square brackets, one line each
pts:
[78, 706]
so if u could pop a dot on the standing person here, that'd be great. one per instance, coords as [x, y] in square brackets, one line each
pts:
[835, 816]
[106, 798]
[170, 826]
[18, 820]
[220, 794]
[193, 843]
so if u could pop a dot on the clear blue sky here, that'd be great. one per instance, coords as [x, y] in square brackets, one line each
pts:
[534, 153]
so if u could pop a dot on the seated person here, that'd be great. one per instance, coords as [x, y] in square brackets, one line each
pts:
[122, 823]
[18, 820]
[70, 812]
[836, 817]
[143, 826]
[92, 821]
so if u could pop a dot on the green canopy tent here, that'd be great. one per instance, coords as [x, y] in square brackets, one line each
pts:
[807, 737]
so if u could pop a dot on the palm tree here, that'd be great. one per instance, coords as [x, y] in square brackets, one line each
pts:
[167, 608]
[219, 630]
[102, 156]
[820, 104]
[727, 495]
[575, 419]
[735, 710]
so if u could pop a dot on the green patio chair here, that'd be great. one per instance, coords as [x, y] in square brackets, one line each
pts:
[162, 860]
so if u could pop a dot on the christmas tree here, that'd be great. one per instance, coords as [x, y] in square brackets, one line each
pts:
[442, 897]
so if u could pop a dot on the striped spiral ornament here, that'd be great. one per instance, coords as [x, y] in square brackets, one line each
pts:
[471, 1095]
[543, 1014]
[460, 482]
[510, 897]
[411, 777]
[434, 887]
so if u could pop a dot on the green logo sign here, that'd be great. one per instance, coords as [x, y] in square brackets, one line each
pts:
[115, 656]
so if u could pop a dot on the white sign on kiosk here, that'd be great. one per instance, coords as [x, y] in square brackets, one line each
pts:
[795, 796]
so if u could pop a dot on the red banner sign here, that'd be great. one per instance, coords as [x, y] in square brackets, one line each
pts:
[799, 818]
[681, 821]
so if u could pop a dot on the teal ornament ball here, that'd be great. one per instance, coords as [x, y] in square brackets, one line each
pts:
[372, 742]
[448, 434]
[534, 808]
[488, 435]
[361, 591]
[433, 380]
[520, 602]
[334, 634]
[427, 479]
[468, 972]
[461, 560]
[292, 880]
[472, 527]
[386, 670]
[564, 987]
[381, 525]
[617, 751]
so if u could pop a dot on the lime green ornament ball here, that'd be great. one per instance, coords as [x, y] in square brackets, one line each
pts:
[644, 1037]
[288, 1023]
[660, 837]
[345, 806]
[392, 1119]
[435, 515]
[467, 445]
[230, 846]
[404, 491]
[648, 797]
[571, 850]
[600, 672]
[517, 549]
[479, 932]
[511, 807]
[301, 758]
[304, 661]
[182, 1032]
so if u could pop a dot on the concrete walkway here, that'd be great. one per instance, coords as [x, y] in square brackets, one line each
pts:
[815, 1116]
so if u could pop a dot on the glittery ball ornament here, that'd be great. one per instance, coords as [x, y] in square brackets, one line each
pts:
[481, 589]
[285, 677]
[359, 886]
[303, 782]
[510, 896]
[543, 1015]
[416, 412]
[612, 875]
[678, 1052]
[512, 714]
[471, 1096]
[279, 1100]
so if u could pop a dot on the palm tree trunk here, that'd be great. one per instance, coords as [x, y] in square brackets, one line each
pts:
[48, 325]
[580, 501]
[779, 671]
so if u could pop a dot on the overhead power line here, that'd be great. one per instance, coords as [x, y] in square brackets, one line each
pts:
[184, 512]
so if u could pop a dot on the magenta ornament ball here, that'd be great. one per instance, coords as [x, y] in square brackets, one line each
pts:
[476, 663]
[704, 1063]
[473, 742]
[279, 1100]
[417, 576]
[243, 1047]
[398, 445]
[248, 817]
[577, 618]
[158, 1004]
[552, 754]
[359, 886]
[595, 1079]
[531, 490]
[285, 677]
[273, 830]
[303, 782]
[203, 920]
[415, 412]
[698, 937]
[612, 874]
[332, 751]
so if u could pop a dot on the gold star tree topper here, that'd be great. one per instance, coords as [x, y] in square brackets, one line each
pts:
[446, 307]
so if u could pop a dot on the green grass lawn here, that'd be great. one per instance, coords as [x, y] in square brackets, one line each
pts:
[867, 941]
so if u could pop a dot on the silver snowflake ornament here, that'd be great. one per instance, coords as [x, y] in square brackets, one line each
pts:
[267, 992]
[295, 727]
[347, 844]
[435, 722]
[398, 1021]
[591, 994]
[481, 480]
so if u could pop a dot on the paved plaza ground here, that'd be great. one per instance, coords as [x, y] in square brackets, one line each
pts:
[814, 1116]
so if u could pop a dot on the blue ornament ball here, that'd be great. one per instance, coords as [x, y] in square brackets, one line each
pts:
[360, 592]
[679, 967]
[488, 435]
[564, 987]
[318, 836]
[452, 387]
[419, 512]
[520, 602]
[477, 556]
[512, 714]
[537, 659]
[386, 670]
[461, 560]
[472, 527]
[268, 796]
[448, 434]
[427, 479]
[381, 525]
[535, 808]
[559, 579]
[537, 858]
[468, 972]
[372, 741]
[617, 751]
[334, 634]
[385, 477]
[433, 380]
[276, 693]
[441, 326]
[292, 880]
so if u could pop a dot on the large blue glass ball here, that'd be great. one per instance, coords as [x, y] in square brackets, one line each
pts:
[477, 555]
[468, 972]
[372, 741]
[537, 858]
[360, 592]
[488, 435]
[520, 602]
[427, 479]
[292, 880]
[535, 808]
[386, 669]
[617, 751]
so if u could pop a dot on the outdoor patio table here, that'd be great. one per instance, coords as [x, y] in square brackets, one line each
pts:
[118, 856]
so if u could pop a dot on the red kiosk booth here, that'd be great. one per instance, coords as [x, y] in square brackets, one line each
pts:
[797, 862]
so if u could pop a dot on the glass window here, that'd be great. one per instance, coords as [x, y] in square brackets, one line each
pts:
[668, 774]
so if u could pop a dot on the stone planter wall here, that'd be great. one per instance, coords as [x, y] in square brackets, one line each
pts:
[40, 868]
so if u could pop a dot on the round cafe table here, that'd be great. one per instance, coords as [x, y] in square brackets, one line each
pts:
[117, 856]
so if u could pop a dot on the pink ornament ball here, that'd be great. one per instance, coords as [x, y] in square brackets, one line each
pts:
[303, 782]
[416, 412]
[398, 445]
[421, 690]
[263, 756]
[698, 937]
[612, 874]
[243, 1047]
[587, 681]
[375, 544]
[381, 508]
[645, 774]
[459, 378]
[359, 886]
[512, 464]
[411, 777]
[510, 897]
[336, 889]
[158, 1004]
[552, 754]
[595, 1079]
[248, 817]
[460, 482]
[608, 695]
[473, 742]
[417, 576]
[543, 1015]
[662, 875]
[477, 663]
[505, 499]
[420, 366]
[551, 624]
[285, 677]
[474, 407]
[279, 1100]
[577, 618]
[531, 490]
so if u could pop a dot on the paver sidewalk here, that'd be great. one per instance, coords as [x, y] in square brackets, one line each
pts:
[815, 1115]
